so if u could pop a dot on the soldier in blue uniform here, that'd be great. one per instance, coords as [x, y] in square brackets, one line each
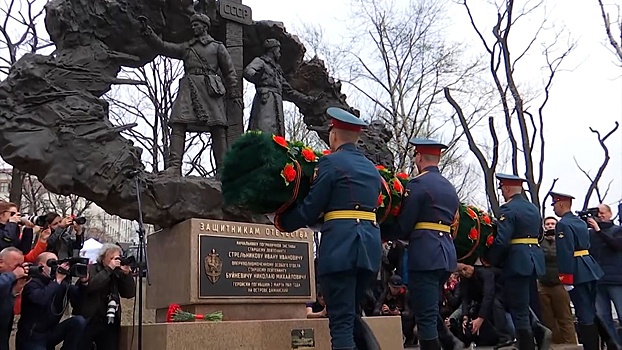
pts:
[428, 210]
[578, 271]
[345, 189]
[517, 251]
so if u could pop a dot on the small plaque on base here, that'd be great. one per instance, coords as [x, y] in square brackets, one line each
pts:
[303, 338]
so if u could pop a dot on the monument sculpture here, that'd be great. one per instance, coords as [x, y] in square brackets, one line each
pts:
[199, 106]
[55, 121]
[271, 88]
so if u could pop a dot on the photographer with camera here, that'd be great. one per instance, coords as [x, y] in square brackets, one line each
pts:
[13, 278]
[44, 302]
[606, 248]
[67, 235]
[394, 301]
[111, 279]
[9, 225]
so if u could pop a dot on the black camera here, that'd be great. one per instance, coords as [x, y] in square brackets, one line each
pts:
[80, 220]
[549, 233]
[127, 261]
[33, 270]
[78, 267]
[589, 213]
[37, 220]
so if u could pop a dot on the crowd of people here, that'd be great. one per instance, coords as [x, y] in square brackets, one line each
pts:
[40, 282]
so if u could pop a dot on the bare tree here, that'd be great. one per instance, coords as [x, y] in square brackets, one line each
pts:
[615, 39]
[523, 118]
[296, 129]
[397, 69]
[150, 106]
[594, 180]
[37, 200]
[19, 34]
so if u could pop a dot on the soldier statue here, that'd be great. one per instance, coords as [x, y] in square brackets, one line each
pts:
[271, 89]
[209, 78]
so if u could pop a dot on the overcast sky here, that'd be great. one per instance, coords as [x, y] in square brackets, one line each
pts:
[588, 95]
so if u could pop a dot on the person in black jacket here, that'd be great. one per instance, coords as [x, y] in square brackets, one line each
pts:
[482, 304]
[9, 225]
[606, 248]
[13, 278]
[394, 301]
[67, 236]
[44, 302]
[108, 283]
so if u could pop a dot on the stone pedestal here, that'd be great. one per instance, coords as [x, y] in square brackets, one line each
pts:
[252, 335]
[247, 271]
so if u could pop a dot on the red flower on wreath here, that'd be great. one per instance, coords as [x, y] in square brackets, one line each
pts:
[402, 176]
[380, 200]
[486, 219]
[309, 155]
[471, 213]
[380, 167]
[489, 240]
[326, 151]
[288, 173]
[280, 140]
[396, 210]
[397, 185]
[473, 234]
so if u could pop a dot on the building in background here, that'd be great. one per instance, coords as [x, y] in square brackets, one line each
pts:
[104, 227]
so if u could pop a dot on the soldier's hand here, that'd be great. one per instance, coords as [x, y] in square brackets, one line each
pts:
[385, 309]
[593, 224]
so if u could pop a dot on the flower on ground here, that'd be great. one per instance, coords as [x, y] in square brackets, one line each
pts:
[402, 176]
[381, 200]
[326, 151]
[380, 167]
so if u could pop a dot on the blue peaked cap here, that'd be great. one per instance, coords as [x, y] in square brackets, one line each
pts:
[345, 117]
[509, 177]
[556, 196]
[418, 141]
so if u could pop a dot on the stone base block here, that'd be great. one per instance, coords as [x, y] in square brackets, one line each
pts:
[249, 335]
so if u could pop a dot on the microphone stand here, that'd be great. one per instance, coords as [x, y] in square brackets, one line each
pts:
[141, 250]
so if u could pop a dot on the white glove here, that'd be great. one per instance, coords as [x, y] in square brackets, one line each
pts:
[568, 288]
[271, 217]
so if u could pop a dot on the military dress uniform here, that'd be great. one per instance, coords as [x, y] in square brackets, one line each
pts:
[517, 251]
[428, 210]
[346, 189]
[578, 271]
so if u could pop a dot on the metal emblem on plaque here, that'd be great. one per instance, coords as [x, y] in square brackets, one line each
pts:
[213, 266]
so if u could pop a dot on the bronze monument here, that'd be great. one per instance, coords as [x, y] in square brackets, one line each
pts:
[271, 88]
[199, 106]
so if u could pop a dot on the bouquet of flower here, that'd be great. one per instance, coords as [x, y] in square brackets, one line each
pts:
[176, 314]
